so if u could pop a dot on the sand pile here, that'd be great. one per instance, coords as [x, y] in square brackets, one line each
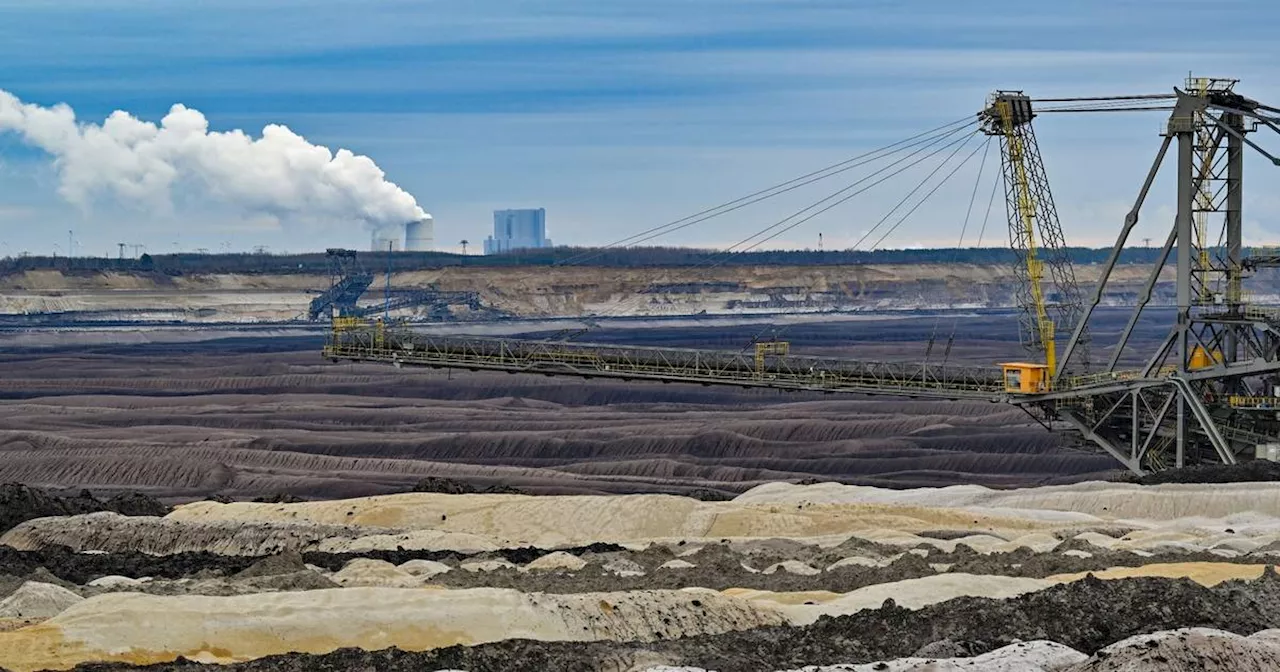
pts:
[558, 561]
[1101, 613]
[805, 608]
[375, 573]
[986, 521]
[144, 629]
[1076, 502]
[114, 533]
[1203, 573]
[37, 600]
[565, 520]
[115, 582]
[424, 569]
[978, 568]
[540, 521]
[1189, 650]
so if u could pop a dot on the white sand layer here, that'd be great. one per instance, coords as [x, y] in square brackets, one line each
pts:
[145, 629]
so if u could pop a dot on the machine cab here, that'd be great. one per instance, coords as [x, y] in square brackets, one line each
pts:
[1025, 378]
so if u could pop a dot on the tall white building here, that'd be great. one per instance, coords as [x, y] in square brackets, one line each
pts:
[517, 229]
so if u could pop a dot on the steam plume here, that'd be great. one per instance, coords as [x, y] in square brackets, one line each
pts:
[140, 162]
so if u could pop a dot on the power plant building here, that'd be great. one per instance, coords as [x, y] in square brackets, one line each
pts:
[517, 230]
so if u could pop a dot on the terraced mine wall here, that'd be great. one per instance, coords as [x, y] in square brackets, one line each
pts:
[554, 291]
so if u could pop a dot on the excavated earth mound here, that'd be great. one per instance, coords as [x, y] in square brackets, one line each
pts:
[1102, 613]
[19, 503]
[144, 629]
[1189, 650]
[37, 600]
[782, 577]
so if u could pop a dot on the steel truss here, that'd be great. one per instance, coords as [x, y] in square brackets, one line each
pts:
[771, 366]
[1177, 410]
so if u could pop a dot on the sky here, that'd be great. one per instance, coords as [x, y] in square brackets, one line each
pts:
[622, 115]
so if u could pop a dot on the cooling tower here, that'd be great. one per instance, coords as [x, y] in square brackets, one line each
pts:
[419, 235]
[385, 239]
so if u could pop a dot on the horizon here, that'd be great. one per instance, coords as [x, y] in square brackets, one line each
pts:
[554, 253]
[614, 118]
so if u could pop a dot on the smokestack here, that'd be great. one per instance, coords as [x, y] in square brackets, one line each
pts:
[278, 173]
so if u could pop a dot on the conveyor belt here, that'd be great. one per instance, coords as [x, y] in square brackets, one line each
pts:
[766, 367]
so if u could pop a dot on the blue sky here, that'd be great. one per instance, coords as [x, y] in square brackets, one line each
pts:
[619, 115]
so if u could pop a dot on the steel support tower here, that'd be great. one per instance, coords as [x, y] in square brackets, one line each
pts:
[1209, 393]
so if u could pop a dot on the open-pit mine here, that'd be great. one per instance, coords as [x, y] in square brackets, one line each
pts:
[816, 462]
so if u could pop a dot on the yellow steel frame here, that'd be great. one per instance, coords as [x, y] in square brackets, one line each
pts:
[1027, 216]
[1204, 195]
[1254, 403]
[766, 348]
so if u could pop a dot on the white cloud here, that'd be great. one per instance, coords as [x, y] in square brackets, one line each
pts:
[141, 163]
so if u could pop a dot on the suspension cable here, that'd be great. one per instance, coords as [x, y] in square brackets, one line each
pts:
[775, 190]
[964, 229]
[963, 143]
[918, 187]
[955, 319]
[926, 197]
[927, 142]
[842, 199]
[1103, 105]
[719, 258]
[1145, 96]
[1145, 108]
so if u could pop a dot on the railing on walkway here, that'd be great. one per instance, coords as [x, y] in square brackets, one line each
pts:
[1254, 403]
[770, 366]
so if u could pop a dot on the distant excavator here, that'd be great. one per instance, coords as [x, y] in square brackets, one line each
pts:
[349, 280]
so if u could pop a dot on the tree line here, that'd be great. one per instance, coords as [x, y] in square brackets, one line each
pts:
[622, 257]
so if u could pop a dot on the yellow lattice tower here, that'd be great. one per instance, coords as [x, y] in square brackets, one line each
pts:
[1027, 216]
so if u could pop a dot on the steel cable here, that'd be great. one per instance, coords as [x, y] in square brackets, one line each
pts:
[776, 190]
[964, 229]
[961, 141]
[722, 256]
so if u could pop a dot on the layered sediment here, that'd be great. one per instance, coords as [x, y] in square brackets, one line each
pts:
[779, 578]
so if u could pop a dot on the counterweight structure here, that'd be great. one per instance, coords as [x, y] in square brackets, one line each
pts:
[1209, 393]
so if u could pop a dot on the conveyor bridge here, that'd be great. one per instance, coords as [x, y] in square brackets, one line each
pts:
[768, 364]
